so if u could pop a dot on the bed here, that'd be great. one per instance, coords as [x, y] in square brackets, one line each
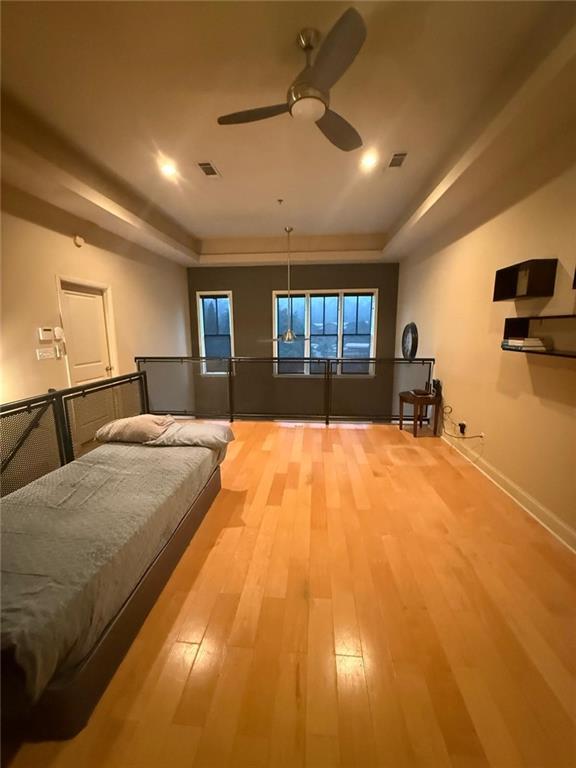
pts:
[86, 550]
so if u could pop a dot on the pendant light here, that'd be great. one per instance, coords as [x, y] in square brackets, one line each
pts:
[288, 335]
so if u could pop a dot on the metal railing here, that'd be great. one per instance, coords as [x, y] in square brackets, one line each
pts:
[40, 434]
[290, 388]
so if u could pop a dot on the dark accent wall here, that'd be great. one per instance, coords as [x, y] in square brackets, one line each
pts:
[256, 389]
[252, 298]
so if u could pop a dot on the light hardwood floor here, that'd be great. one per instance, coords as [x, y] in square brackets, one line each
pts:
[357, 598]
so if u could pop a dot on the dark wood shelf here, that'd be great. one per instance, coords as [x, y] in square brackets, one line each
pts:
[542, 353]
[528, 279]
[564, 335]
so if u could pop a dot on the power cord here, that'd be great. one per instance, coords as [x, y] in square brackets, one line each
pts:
[446, 411]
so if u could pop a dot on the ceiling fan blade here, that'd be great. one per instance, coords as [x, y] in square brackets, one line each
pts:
[251, 115]
[338, 50]
[339, 131]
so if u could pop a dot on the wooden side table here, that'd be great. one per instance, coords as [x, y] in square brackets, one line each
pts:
[419, 402]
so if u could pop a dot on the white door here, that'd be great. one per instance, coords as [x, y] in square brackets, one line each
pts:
[85, 334]
[86, 337]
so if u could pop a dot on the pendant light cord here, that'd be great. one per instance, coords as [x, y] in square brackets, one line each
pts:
[288, 231]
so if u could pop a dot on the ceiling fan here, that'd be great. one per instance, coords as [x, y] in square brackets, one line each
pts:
[308, 97]
[289, 335]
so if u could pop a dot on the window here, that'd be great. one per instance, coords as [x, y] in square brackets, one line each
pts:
[215, 329]
[328, 324]
[357, 331]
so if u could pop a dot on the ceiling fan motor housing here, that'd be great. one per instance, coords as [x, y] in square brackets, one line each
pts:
[308, 38]
[306, 102]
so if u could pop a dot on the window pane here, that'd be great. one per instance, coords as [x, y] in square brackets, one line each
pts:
[364, 314]
[316, 314]
[331, 314]
[323, 346]
[350, 304]
[291, 348]
[288, 350]
[209, 316]
[356, 346]
[299, 315]
[297, 323]
[217, 346]
[223, 315]
[282, 321]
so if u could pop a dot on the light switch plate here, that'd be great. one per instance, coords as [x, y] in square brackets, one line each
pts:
[45, 354]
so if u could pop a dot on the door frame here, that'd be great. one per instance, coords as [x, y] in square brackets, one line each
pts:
[106, 291]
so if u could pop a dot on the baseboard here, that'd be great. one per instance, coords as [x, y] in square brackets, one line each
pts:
[557, 527]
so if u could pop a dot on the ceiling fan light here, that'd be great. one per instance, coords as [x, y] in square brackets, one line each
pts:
[308, 108]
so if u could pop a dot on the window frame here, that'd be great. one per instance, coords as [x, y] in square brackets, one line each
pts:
[200, 295]
[340, 292]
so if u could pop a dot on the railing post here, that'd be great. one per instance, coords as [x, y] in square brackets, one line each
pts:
[144, 392]
[230, 389]
[327, 387]
[63, 430]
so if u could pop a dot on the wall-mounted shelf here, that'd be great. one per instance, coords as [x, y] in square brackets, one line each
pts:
[558, 333]
[547, 353]
[529, 279]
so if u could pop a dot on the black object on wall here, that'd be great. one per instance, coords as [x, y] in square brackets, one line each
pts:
[410, 341]
[528, 279]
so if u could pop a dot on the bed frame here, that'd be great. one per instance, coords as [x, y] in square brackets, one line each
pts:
[66, 705]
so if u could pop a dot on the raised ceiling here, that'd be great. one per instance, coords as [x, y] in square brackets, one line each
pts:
[124, 80]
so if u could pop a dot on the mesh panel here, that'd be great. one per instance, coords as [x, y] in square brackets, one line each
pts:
[87, 412]
[360, 389]
[371, 391]
[266, 388]
[38, 453]
[185, 386]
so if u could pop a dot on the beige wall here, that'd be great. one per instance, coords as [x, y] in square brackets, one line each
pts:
[526, 405]
[149, 293]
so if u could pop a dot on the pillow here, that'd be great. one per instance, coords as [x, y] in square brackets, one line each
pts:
[214, 436]
[134, 429]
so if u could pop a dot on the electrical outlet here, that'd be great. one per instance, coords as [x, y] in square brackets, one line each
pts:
[45, 354]
[462, 427]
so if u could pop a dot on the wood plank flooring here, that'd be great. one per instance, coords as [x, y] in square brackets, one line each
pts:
[354, 598]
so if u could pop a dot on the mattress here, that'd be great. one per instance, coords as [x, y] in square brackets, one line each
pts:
[76, 542]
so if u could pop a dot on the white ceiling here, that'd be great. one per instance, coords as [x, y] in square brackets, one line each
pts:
[122, 80]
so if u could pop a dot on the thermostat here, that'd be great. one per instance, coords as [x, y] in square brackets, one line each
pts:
[46, 333]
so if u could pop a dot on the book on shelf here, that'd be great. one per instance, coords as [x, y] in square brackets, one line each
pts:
[527, 342]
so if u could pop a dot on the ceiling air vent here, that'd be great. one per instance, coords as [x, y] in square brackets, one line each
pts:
[397, 159]
[208, 170]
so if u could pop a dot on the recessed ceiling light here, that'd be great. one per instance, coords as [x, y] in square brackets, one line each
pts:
[168, 168]
[369, 160]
